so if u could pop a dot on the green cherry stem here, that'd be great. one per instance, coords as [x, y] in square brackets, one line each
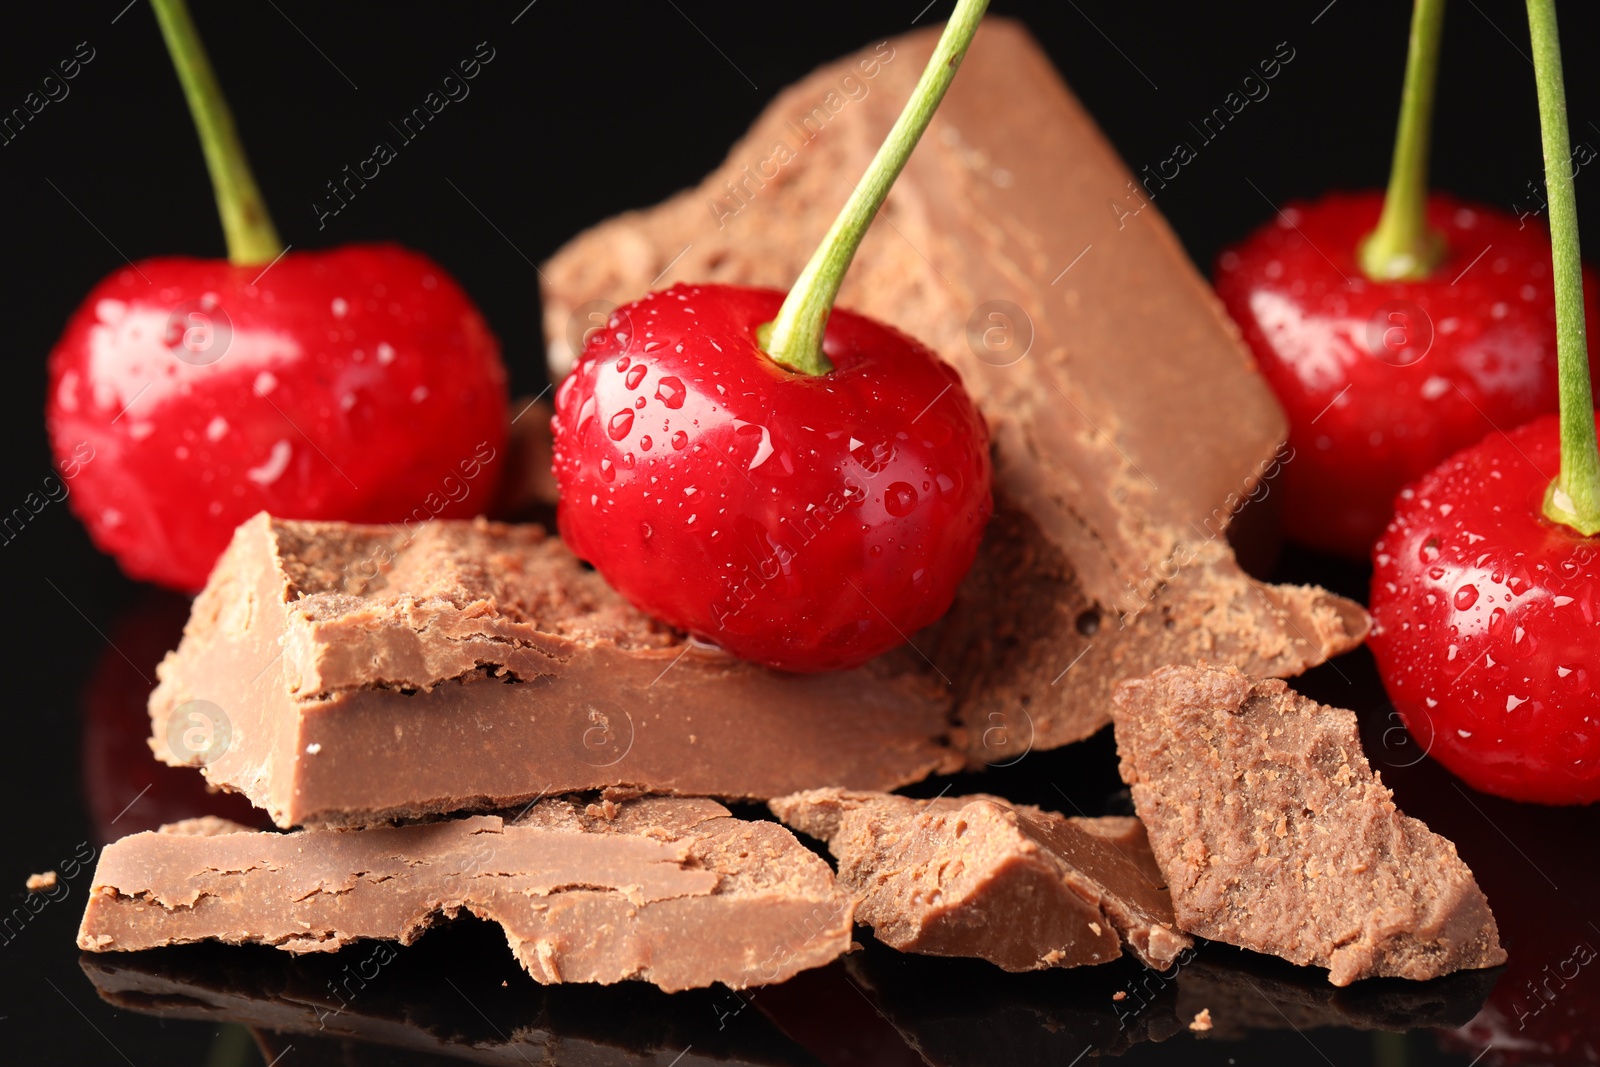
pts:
[1403, 246]
[794, 338]
[252, 240]
[1573, 499]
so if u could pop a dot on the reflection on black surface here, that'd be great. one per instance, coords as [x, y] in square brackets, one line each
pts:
[1251, 992]
[959, 1012]
[456, 995]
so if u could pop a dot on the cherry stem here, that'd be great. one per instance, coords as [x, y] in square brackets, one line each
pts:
[1404, 247]
[1573, 499]
[252, 240]
[794, 338]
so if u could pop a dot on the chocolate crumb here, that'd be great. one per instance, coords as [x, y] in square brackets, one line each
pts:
[1202, 1021]
[38, 883]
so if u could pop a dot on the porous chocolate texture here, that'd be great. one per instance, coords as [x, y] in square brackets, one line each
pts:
[672, 891]
[1275, 834]
[365, 673]
[1129, 423]
[979, 876]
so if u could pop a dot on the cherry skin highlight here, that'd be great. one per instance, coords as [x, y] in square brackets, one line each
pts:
[1383, 380]
[808, 523]
[186, 395]
[1487, 622]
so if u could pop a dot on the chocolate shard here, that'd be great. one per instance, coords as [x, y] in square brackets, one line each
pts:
[1129, 423]
[366, 673]
[979, 876]
[1035, 660]
[1275, 834]
[672, 891]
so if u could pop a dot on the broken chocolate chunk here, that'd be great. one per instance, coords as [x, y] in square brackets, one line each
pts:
[672, 891]
[1275, 834]
[1035, 661]
[366, 673]
[979, 876]
[1124, 406]
[1129, 423]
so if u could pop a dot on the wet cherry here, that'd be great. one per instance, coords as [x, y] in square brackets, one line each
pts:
[1487, 622]
[1395, 328]
[806, 522]
[803, 486]
[1486, 586]
[188, 394]
[1382, 380]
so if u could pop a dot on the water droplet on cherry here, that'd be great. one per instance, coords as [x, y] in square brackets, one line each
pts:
[1497, 622]
[620, 424]
[1465, 597]
[900, 498]
[670, 391]
[874, 458]
[636, 375]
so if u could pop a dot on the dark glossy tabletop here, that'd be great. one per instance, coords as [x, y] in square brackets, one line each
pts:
[590, 109]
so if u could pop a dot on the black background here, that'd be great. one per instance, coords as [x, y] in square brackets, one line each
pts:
[587, 109]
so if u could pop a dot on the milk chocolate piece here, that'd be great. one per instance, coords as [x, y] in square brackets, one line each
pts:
[371, 672]
[1128, 421]
[1275, 834]
[672, 891]
[979, 876]
[1035, 661]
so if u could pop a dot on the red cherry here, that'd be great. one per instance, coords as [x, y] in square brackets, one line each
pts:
[188, 394]
[1382, 380]
[809, 523]
[1487, 622]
